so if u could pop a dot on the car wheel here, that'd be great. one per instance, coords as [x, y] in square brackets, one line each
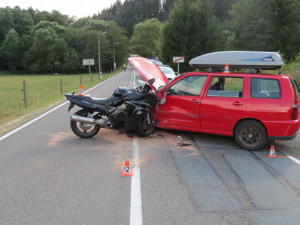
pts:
[250, 135]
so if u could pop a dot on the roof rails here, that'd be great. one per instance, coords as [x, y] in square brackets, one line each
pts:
[239, 59]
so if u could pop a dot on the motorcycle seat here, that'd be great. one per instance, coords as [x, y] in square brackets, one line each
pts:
[102, 101]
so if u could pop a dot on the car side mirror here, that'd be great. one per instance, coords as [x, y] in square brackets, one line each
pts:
[164, 98]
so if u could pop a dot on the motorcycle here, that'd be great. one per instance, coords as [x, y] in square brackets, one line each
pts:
[127, 108]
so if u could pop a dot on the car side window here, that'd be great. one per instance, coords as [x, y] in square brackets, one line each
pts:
[265, 88]
[190, 86]
[232, 87]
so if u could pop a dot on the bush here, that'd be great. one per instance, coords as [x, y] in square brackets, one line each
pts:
[293, 68]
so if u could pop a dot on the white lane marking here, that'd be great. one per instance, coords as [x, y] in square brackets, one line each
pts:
[294, 159]
[136, 216]
[48, 112]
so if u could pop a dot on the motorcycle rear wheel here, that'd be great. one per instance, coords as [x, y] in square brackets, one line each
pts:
[143, 127]
[84, 130]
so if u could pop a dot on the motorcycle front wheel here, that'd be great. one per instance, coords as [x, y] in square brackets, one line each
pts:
[144, 126]
[84, 130]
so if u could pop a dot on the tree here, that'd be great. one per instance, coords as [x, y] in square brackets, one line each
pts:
[253, 24]
[167, 6]
[23, 22]
[126, 17]
[6, 22]
[83, 37]
[71, 62]
[116, 37]
[287, 27]
[47, 53]
[146, 37]
[222, 8]
[10, 49]
[192, 30]
[132, 12]
[273, 26]
[59, 18]
[152, 8]
[52, 42]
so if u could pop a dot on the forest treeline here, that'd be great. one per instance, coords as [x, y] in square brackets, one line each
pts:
[49, 42]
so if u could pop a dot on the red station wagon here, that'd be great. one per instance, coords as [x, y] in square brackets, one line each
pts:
[251, 107]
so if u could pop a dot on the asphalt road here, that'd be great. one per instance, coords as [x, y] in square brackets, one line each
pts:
[50, 176]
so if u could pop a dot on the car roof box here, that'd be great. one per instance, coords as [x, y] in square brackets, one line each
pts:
[239, 59]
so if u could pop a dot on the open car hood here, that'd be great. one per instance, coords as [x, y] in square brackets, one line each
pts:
[149, 70]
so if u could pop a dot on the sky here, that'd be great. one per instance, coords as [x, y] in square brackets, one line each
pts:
[78, 8]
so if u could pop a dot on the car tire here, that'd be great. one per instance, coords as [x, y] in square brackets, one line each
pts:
[250, 135]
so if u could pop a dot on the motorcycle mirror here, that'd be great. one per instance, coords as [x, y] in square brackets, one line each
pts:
[151, 81]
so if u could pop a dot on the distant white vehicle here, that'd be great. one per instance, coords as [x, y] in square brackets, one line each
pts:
[158, 63]
[168, 71]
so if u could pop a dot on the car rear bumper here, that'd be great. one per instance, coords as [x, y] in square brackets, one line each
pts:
[282, 130]
[282, 138]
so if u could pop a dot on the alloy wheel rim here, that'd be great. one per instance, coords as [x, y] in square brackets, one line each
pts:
[250, 135]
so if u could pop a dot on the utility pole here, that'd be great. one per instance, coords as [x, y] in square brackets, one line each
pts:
[99, 57]
[115, 65]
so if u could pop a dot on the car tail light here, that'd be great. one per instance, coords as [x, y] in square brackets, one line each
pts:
[295, 110]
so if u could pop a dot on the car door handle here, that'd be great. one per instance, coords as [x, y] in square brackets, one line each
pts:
[237, 103]
[195, 101]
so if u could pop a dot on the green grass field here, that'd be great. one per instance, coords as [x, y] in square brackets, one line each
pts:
[41, 90]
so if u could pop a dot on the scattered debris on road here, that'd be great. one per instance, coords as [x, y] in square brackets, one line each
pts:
[181, 144]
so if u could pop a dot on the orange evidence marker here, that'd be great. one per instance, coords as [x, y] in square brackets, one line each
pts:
[127, 171]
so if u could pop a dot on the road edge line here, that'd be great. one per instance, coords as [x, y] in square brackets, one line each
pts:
[294, 159]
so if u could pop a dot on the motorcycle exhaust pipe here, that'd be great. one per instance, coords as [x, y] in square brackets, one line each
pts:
[82, 119]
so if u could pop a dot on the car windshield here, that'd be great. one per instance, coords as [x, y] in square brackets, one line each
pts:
[162, 87]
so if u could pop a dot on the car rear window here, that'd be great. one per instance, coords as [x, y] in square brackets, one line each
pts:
[296, 88]
[265, 88]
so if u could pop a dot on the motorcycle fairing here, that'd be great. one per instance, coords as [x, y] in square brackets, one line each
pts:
[149, 70]
[118, 115]
[138, 113]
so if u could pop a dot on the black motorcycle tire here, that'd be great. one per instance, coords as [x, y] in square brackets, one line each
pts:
[80, 128]
[143, 128]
